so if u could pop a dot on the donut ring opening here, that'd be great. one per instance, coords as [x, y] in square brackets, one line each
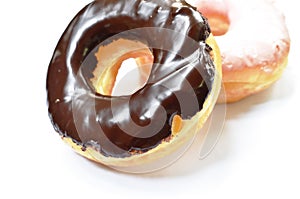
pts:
[110, 59]
[217, 17]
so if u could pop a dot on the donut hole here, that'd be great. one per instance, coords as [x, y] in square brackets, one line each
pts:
[219, 24]
[132, 76]
[123, 67]
[217, 15]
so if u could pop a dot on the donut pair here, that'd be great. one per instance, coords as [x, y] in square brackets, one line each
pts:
[179, 62]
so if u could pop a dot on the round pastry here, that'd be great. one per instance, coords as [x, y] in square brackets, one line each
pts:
[253, 40]
[171, 43]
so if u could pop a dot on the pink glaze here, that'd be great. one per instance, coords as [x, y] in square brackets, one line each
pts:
[257, 36]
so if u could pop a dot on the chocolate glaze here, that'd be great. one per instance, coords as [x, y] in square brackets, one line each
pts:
[117, 126]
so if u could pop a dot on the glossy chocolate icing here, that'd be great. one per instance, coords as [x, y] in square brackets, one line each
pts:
[117, 126]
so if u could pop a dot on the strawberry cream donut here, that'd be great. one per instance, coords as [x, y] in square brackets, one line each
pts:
[254, 43]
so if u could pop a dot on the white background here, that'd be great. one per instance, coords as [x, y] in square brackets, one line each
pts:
[258, 154]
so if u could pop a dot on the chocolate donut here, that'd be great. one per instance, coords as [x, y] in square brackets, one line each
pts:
[181, 79]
